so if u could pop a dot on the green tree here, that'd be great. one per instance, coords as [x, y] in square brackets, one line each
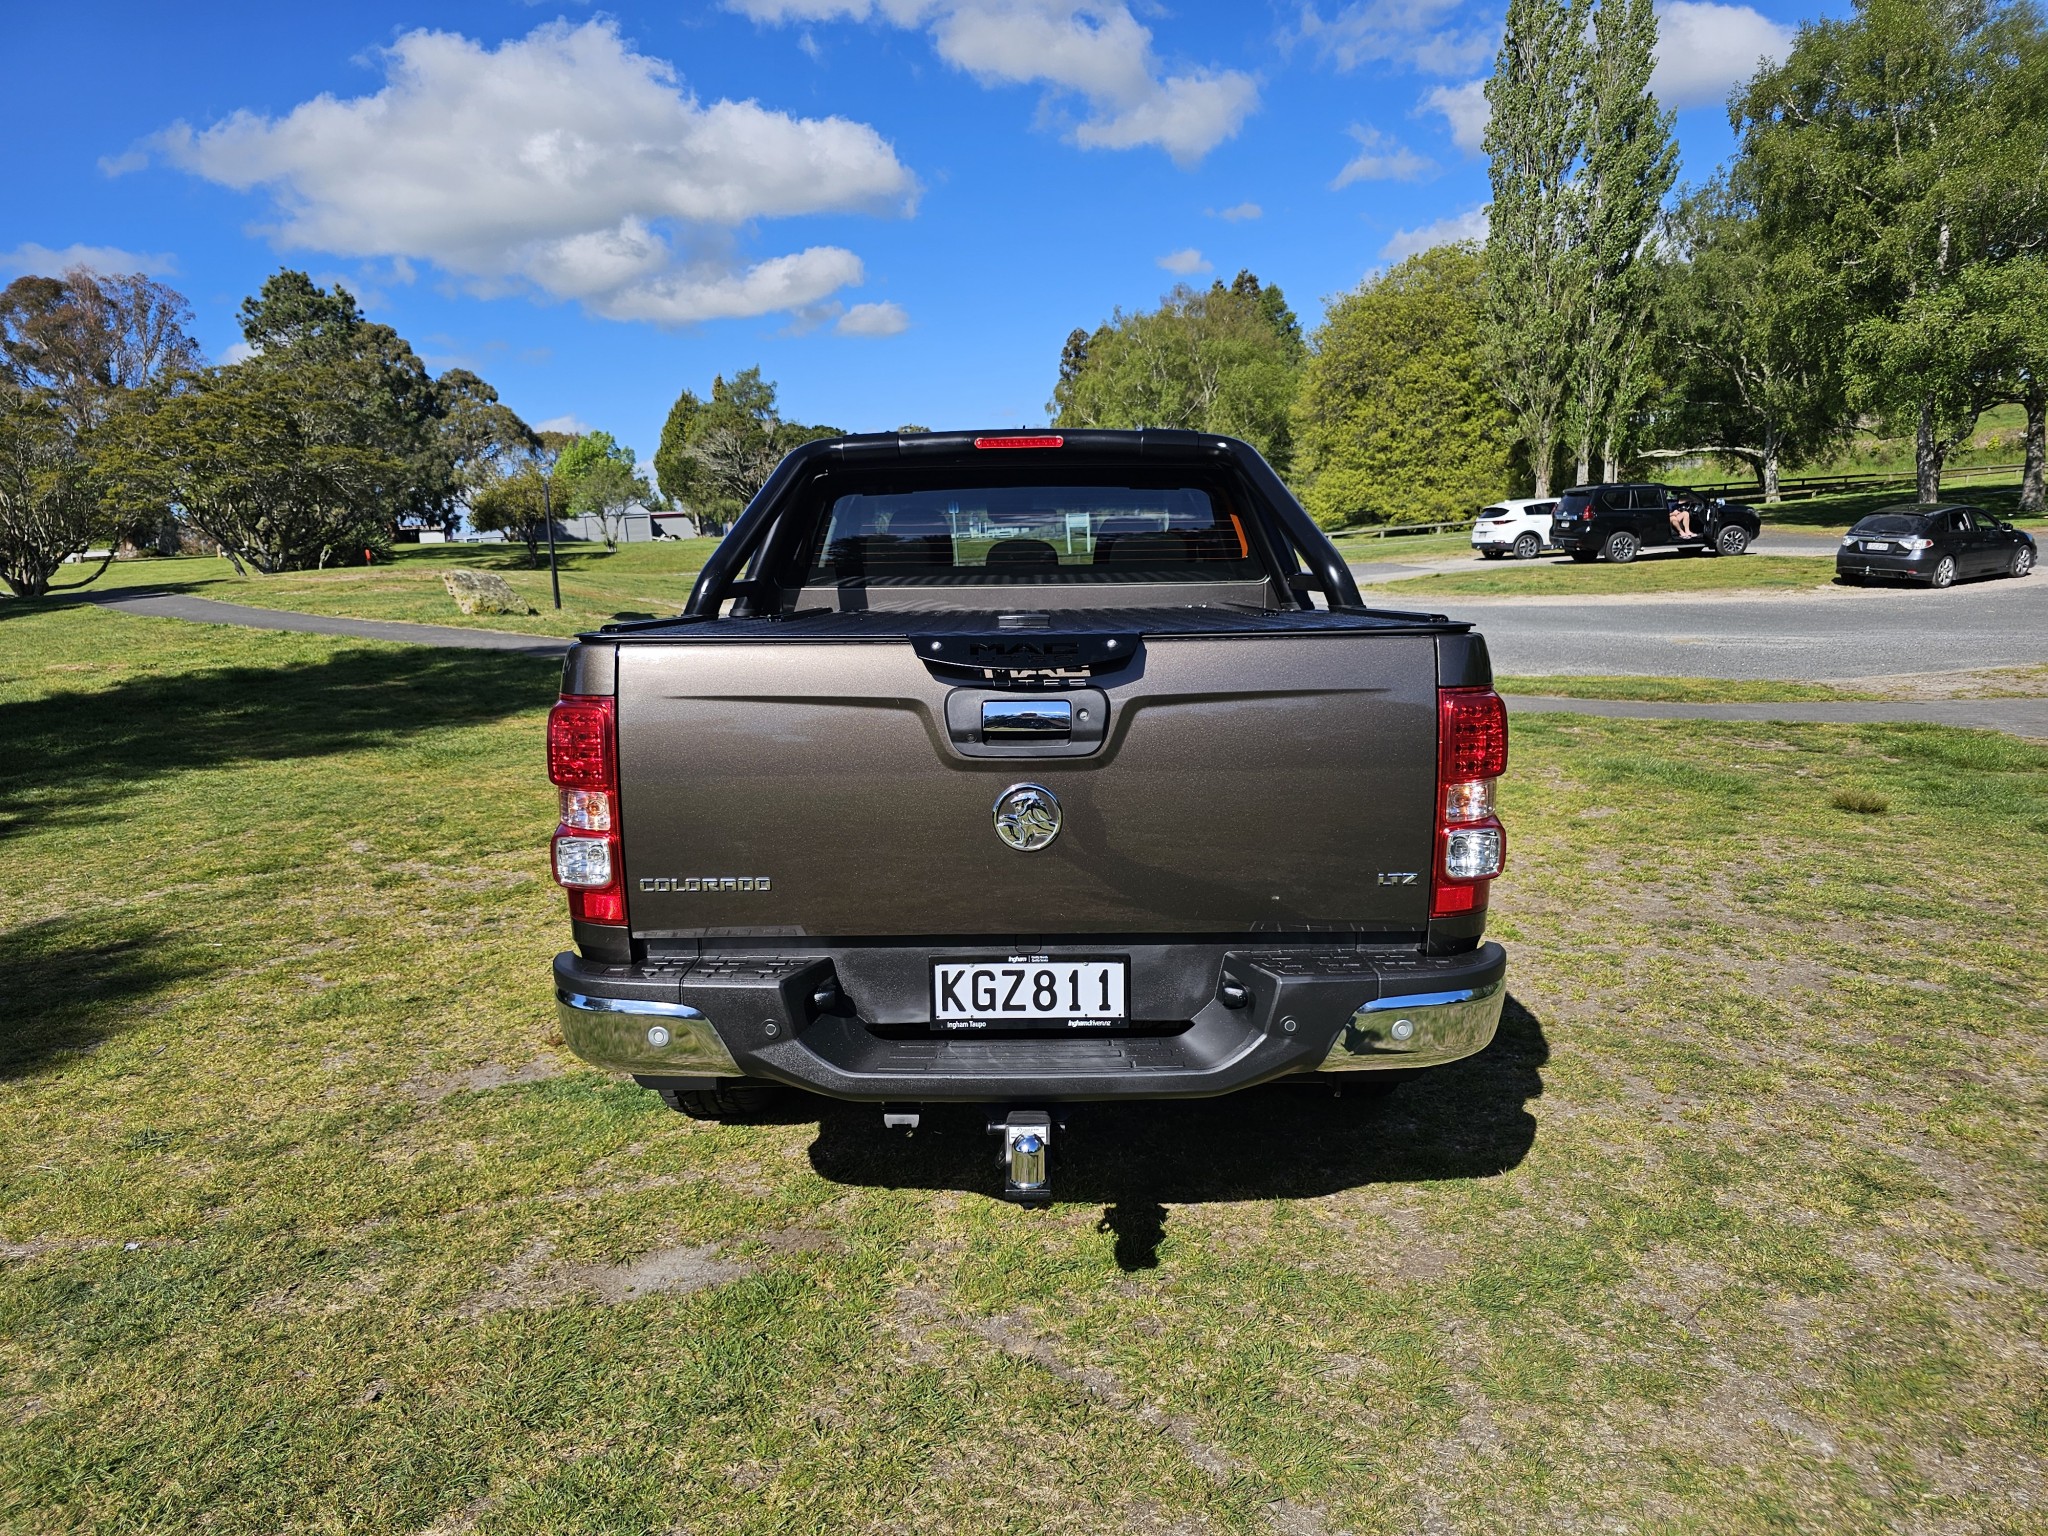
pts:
[1630, 162]
[1220, 359]
[48, 510]
[1755, 341]
[2014, 297]
[86, 340]
[372, 376]
[603, 480]
[716, 454]
[521, 495]
[269, 461]
[76, 351]
[1902, 147]
[478, 439]
[1534, 137]
[1397, 420]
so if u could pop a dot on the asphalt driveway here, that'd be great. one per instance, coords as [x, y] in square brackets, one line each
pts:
[1828, 636]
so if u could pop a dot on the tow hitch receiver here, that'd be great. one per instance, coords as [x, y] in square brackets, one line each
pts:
[1026, 1155]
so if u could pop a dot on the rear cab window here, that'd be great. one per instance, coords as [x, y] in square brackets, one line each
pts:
[903, 530]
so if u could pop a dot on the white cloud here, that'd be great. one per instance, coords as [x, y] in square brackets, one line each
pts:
[568, 421]
[1470, 225]
[1705, 49]
[1464, 108]
[1424, 35]
[239, 352]
[564, 161]
[1381, 157]
[1095, 49]
[884, 319]
[1187, 263]
[1241, 212]
[110, 259]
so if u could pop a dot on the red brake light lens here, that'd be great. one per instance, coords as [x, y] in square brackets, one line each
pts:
[1042, 440]
[1472, 734]
[580, 743]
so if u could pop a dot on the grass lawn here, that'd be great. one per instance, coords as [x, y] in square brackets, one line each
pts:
[1651, 573]
[1983, 683]
[308, 1225]
[635, 581]
[1689, 690]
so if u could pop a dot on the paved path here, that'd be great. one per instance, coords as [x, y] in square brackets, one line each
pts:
[2022, 717]
[1834, 635]
[204, 610]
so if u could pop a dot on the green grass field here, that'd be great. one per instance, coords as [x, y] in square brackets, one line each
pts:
[1659, 572]
[1984, 683]
[634, 581]
[307, 1224]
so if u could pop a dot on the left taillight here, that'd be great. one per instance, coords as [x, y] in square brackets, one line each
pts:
[1472, 754]
[583, 762]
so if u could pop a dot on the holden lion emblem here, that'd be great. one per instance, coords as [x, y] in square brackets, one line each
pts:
[1027, 817]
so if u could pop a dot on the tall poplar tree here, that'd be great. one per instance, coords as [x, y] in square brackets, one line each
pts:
[1630, 161]
[1533, 142]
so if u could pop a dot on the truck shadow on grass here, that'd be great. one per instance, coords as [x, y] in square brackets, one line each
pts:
[1468, 1120]
[64, 991]
[71, 750]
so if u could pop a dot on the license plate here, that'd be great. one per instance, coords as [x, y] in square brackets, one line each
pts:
[1875, 547]
[1028, 989]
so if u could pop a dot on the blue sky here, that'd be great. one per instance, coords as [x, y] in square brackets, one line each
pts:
[898, 208]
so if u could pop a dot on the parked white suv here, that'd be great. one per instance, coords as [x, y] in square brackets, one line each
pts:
[1518, 528]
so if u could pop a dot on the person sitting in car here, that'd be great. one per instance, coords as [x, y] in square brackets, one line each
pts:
[1681, 517]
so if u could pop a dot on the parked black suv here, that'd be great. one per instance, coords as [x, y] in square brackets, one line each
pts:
[1935, 545]
[1621, 521]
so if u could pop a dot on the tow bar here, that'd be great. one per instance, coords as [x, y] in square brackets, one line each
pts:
[1026, 1155]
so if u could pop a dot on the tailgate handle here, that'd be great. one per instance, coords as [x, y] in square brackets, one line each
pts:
[1023, 721]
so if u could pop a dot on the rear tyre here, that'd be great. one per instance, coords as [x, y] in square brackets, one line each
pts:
[1733, 541]
[1528, 547]
[2022, 562]
[1491, 554]
[1852, 578]
[1621, 548]
[1944, 572]
[742, 1099]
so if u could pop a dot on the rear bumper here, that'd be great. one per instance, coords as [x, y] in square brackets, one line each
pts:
[798, 1019]
[1902, 567]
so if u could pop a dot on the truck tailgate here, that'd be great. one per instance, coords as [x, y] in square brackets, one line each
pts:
[1246, 783]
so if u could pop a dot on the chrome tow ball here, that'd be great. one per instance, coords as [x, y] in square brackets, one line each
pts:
[1026, 1155]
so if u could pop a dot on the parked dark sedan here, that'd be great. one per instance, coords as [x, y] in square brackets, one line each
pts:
[1936, 545]
[1618, 522]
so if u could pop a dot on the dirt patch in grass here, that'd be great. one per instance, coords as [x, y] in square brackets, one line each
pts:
[533, 1280]
[433, 1087]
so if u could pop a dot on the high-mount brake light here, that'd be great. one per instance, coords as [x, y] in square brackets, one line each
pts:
[583, 762]
[1471, 753]
[1041, 440]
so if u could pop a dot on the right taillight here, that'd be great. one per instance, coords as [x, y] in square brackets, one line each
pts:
[1471, 754]
[583, 762]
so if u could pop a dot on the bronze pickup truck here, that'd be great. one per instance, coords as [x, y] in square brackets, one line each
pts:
[1021, 768]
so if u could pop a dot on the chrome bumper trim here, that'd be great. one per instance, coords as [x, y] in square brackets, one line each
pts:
[612, 1032]
[1441, 1026]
